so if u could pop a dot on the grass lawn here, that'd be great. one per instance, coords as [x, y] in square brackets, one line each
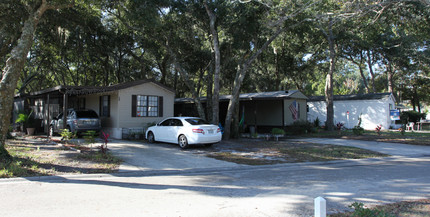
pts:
[41, 158]
[413, 138]
[261, 152]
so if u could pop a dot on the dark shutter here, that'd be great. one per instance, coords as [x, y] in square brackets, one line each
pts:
[133, 105]
[160, 106]
[83, 104]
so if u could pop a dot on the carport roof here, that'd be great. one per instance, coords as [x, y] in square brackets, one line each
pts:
[369, 96]
[289, 94]
[83, 90]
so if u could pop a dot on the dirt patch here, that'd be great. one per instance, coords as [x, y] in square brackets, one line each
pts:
[417, 208]
[262, 152]
[38, 156]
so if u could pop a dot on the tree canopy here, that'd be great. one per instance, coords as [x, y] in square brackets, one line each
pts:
[207, 48]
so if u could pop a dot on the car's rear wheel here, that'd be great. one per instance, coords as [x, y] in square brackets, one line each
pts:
[151, 138]
[183, 142]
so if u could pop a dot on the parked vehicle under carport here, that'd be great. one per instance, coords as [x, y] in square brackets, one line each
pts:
[78, 121]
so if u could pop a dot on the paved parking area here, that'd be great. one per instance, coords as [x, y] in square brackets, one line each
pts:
[142, 156]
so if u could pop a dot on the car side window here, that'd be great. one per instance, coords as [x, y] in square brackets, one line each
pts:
[165, 123]
[176, 122]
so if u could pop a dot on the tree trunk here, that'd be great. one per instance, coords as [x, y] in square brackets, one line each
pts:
[390, 78]
[217, 53]
[329, 78]
[236, 121]
[209, 104]
[14, 65]
[372, 74]
[240, 75]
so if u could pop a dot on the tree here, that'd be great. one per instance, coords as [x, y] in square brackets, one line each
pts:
[217, 57]
[15, 63]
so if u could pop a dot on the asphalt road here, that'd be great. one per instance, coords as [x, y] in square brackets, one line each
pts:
[275, 190]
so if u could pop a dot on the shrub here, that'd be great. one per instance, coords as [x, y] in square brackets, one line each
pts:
[358, 130]
[67, 135]
[360, 211]
[278, 131]
[339, 126]
[411, 116]
[317, 122]
[104, 147]
[378, 129]
[90, 137]
[301, 127]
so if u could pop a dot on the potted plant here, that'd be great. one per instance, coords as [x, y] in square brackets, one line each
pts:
[27, 122]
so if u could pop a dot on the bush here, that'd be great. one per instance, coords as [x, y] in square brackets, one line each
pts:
[301, 127]
[358, 131]
[317, 122]
[278, 131]
[411, 116]
[360, 211]
[67, 135]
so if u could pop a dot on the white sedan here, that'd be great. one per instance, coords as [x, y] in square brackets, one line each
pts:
[184, 131]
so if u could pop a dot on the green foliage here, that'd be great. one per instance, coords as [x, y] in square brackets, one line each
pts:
[67, 135]
[317, 122]
[26, 119]
[278, 131]
[360, 211]
[90, 136]
[411, 116]
[301, 127]
[358, 130]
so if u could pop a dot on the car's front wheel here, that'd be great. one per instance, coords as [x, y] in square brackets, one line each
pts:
[183, 142]
[151, 138]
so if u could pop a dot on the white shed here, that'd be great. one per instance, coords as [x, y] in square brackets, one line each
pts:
[374, 109]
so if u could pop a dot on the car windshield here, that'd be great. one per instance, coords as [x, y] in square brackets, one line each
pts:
[196, 121]
[86, 114]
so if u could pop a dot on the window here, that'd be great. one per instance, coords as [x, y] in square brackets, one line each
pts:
[196, 121]
[147, 106]
[105, 106]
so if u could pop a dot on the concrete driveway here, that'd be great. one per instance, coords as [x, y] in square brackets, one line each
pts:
[144, 156]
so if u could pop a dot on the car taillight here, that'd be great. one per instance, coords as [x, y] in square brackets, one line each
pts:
[199, 131]
[218, 130]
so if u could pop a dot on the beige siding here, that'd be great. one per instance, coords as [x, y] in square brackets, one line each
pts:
[93, 102]
[121, 107]
[288, 115]
[124, 105]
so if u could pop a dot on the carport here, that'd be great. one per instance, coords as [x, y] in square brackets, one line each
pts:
[47, 104]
